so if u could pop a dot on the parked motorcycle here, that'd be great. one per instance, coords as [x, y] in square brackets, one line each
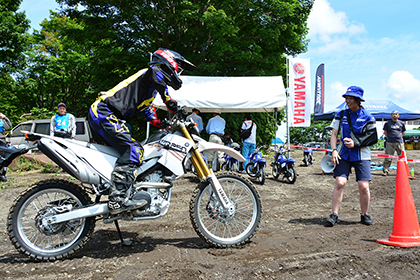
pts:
[256, 166]
[308, 157]
[230, 163]
[284, 165]
[54, 219]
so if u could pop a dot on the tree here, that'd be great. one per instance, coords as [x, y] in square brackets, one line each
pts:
[60, 67]
[232, 38]
[312, 133]
[13, 37]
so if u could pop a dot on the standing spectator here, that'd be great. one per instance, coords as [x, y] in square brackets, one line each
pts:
[4, 124]
[63, 124]
[249, 144]
[394, 131]
[349, 155]
[196, 118]
[216, 128]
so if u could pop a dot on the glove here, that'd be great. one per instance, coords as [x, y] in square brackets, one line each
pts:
[172, 105]
[160, 124]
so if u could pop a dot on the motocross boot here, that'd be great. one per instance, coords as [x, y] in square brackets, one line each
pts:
[3, 177]
[122, 178]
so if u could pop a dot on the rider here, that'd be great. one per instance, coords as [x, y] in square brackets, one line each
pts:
[109, 113]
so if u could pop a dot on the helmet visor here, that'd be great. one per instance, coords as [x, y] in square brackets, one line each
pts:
[179, 71]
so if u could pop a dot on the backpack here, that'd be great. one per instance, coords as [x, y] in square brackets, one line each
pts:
[247, 132]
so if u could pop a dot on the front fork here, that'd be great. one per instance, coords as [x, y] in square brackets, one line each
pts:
[204, 173]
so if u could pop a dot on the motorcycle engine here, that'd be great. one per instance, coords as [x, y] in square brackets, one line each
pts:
[156, 198]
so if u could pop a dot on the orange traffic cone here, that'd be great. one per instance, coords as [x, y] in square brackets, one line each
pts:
[406, 229]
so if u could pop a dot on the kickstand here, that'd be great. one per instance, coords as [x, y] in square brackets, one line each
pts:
[123, 243]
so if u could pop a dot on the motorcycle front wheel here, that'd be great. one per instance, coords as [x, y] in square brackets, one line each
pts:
[261, 175]
[29, 227]
[217, 226]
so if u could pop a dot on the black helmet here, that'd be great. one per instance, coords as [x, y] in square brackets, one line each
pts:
[171, 64]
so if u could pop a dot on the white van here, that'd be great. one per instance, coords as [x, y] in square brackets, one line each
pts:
[16, 137]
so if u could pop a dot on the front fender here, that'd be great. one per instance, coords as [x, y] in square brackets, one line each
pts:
[205, 146]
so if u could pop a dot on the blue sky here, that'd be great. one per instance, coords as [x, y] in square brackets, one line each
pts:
[374, 44]
[38, 10]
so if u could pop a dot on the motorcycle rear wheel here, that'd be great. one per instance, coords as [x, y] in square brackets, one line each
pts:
[306, 160]
[275, 171]
[214, 224]
[291, 176]
[32, 234]
[249, 168]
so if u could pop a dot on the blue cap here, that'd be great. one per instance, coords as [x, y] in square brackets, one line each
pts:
[61, 104]
[355, 91]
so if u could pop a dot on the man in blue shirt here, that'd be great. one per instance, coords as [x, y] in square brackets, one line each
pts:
[216, 128]
[196, 118]
[348, 155]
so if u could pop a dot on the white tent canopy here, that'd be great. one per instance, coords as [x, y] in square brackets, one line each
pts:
[229, 94]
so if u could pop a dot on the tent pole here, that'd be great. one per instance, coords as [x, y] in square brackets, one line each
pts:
[275, 133]
[287, 106]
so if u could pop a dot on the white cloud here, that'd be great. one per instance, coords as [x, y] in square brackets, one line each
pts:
[403, 86]
[335, 95]
[325, 23]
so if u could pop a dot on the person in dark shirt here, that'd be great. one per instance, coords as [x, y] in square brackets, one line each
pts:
[112, 109]
[394, 131]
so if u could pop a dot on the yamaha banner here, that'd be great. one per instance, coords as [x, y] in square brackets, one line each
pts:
[300, 92]
[319, 90]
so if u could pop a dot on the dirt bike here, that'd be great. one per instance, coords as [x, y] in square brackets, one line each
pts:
[54, 219]
[230, 163]
[256, 167]
[284, 165]
[308, 157]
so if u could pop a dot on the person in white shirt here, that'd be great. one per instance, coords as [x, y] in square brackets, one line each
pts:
[249, 144]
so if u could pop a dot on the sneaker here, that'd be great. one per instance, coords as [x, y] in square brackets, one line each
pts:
[366, 220]
[385, 173]
[116, 206]
[332, 219]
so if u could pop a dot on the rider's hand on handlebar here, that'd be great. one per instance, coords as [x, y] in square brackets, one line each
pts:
[182, 111]
[165, 123]
[160, 124]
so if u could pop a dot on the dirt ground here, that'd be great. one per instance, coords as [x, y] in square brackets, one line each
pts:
[291, 243]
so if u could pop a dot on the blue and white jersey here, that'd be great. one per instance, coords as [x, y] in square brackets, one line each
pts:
[62, 122]
[65, 123]
[360, 120]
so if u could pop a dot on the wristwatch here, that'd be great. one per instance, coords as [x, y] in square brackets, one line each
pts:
[334, 150]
